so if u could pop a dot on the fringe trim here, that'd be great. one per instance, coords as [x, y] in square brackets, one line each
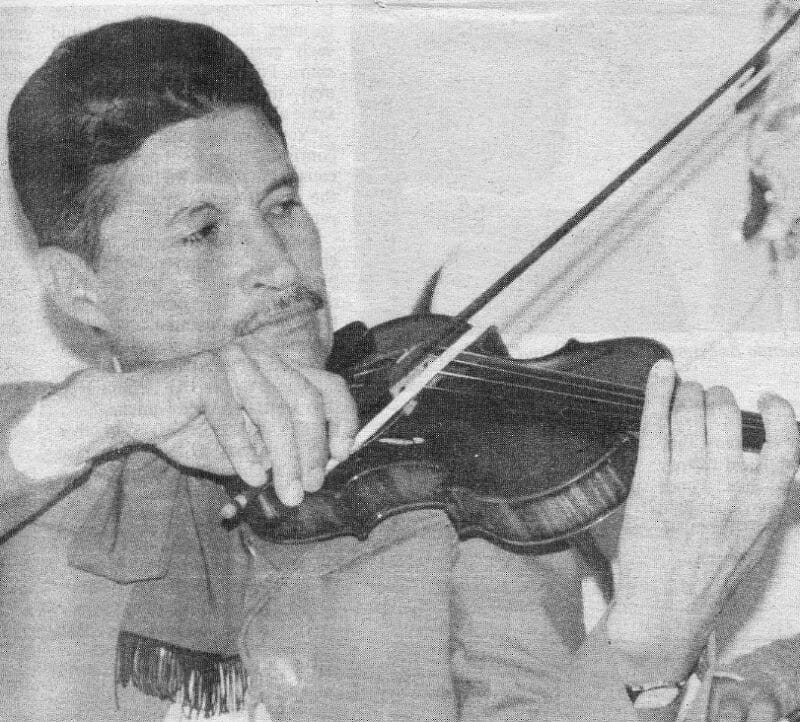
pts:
[201, 682]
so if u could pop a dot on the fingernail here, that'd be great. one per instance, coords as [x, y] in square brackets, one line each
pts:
[314, 480]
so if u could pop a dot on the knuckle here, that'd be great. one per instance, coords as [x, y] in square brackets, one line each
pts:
[335, 382]
[689, 396]
[726, 465]
[309, 404]
[685, 414]
[205, 375]
[723, 416]
[693, 463]
[202, 363]
[779, 457]
[280, 431]
[337, 390]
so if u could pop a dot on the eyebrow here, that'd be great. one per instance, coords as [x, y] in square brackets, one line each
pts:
[290, 178]
[190, 210]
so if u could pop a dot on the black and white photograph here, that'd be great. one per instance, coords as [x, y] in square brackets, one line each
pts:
[400, 360]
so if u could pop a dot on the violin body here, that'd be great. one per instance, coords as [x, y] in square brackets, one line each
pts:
[523, 468]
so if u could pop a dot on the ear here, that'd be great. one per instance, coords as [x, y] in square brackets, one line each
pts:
[72, 285]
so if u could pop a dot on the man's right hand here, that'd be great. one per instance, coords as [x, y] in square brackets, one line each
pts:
[224, 412]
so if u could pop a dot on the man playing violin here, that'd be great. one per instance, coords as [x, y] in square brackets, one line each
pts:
[161, 190]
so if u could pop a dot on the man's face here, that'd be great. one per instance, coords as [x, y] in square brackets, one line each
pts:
[208, 241]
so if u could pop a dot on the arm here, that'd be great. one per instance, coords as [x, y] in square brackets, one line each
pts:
[229, 411]
[682, 550]
[520, 652]
[23, 496]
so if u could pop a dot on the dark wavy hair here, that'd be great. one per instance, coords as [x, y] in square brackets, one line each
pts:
[97, 98]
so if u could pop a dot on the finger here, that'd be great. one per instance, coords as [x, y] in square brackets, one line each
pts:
[724, 448]
[779, 455]
[758, 509]
[307, 412]
[224, 416]
[654, 431]
[341, 412]
[688, 429]
[268, 411]
[723, 421]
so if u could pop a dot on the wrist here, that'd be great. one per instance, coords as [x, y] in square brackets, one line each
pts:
[66, 429]
[650, 655]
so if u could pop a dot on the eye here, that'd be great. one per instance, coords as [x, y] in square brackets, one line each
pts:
[205, 234]
[282, 208]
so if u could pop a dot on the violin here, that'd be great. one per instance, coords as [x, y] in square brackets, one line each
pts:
[525, 453]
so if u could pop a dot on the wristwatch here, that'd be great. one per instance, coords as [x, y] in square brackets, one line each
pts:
[654, 696]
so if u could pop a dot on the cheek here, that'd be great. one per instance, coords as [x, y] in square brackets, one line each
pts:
[182, 310]
[303, 240]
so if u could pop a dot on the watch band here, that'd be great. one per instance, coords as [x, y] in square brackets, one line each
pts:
[656, 695]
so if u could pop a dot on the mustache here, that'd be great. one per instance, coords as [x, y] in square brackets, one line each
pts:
[301, 297]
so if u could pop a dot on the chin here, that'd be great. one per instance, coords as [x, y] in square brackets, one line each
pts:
[301, 345]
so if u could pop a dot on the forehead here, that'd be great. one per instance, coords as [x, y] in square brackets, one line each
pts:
[228, 151]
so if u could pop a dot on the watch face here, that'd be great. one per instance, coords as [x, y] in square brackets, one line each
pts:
[656, 697]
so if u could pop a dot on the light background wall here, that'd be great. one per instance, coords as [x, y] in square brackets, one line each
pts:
[460, 134]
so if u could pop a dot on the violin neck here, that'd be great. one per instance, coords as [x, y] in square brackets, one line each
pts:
[752, 431]
[572, 400]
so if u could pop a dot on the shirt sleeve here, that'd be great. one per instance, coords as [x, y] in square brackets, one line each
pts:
[22, 497]
[519, 649]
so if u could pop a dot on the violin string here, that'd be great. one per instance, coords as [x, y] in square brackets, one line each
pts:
[627, 396]
[497, 365]
[634, 393]
[570, 393]
[626, 403]
[576, 381]
[750, 421]
[555, 376]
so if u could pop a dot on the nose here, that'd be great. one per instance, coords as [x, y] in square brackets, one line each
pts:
[266, 263]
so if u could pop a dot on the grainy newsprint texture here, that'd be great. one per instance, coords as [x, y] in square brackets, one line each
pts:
[194, 196]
